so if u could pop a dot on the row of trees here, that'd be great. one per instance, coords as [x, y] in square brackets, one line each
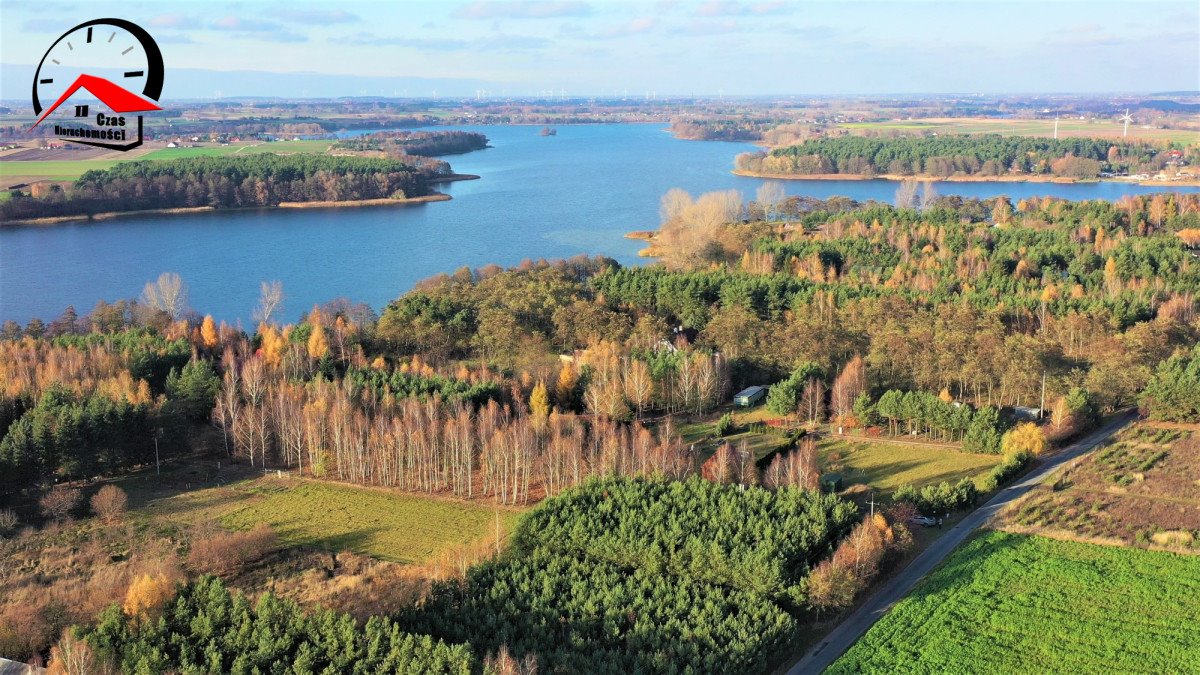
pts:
[224, 182]
[374, 436]
[951, 155]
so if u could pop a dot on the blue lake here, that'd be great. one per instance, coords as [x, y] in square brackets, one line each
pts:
[539, 197]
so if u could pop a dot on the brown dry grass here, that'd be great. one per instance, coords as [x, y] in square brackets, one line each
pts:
[1143, 489]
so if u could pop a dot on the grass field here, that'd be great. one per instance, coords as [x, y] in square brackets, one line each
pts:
[1008, 603]
[383, 524]
[1016, 127]
[747, 424]
[69, 169]
[886, 466]
[279, 147]
[57, 169]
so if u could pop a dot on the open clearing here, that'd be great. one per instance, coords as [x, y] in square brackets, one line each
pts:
[886, 466]
[1019, 127]
[749, 429]
[1142, 489]
[1008, 603]
[389, 525]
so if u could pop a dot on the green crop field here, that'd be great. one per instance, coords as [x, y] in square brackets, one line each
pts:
[1008, 603]
[886, 466]
[388, 525]
[279, 147]
[60, 169]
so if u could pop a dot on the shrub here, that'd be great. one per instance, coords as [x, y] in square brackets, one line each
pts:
[59, 502]
[109, 503]
[1004, 471]
[227, 553]
[725, 425]
[1024, 438]
[940, 498]
[8, 521]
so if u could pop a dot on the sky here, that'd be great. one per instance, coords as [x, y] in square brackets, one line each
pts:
[596, 48]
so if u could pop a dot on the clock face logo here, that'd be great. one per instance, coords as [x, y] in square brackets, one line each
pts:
[113, 61]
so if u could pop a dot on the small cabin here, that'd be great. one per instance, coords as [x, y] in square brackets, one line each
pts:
[750, 396]
[1027, 414]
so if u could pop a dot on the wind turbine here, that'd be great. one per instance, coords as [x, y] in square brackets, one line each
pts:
[1126, 119]
[1056, 127]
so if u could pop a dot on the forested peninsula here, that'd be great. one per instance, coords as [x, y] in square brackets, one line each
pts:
[978, 157]
[265, 180]
[424, 143]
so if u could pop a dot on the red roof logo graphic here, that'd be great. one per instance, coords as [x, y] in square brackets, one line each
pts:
[116, 98]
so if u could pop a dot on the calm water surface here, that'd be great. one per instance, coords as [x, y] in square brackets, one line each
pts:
[540, 197]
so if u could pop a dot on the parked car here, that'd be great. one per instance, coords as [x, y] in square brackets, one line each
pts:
[924, 521]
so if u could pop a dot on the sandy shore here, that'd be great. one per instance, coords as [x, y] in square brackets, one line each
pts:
[435, 197]
[55, 220]
[962, 179]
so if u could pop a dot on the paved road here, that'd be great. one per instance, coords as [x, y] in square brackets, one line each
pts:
[840, 638]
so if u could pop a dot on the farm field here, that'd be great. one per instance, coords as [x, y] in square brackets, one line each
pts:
[886, 466]
[1024, 127]
[392, 526]
[59, 169]
[1142, 489]
[1009, 603]
[279, 147]
[69, 169]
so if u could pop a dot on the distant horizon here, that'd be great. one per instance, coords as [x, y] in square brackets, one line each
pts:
[9, 81]
[507, 48]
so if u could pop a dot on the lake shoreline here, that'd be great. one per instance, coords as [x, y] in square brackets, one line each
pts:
[110, 215]
[1057, 180]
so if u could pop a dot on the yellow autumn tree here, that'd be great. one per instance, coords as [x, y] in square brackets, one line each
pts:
[147, 595]
[1026, 437]
[539, 405]
[272, 344]
[1111, 278]
[318, 344]
[208, 333]
[564, 390]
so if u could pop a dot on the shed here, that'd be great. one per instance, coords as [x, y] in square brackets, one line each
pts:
[831, 482]
[749, 396]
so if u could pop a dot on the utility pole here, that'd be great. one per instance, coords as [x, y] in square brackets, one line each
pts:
[872, 502]
[1042, 405]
